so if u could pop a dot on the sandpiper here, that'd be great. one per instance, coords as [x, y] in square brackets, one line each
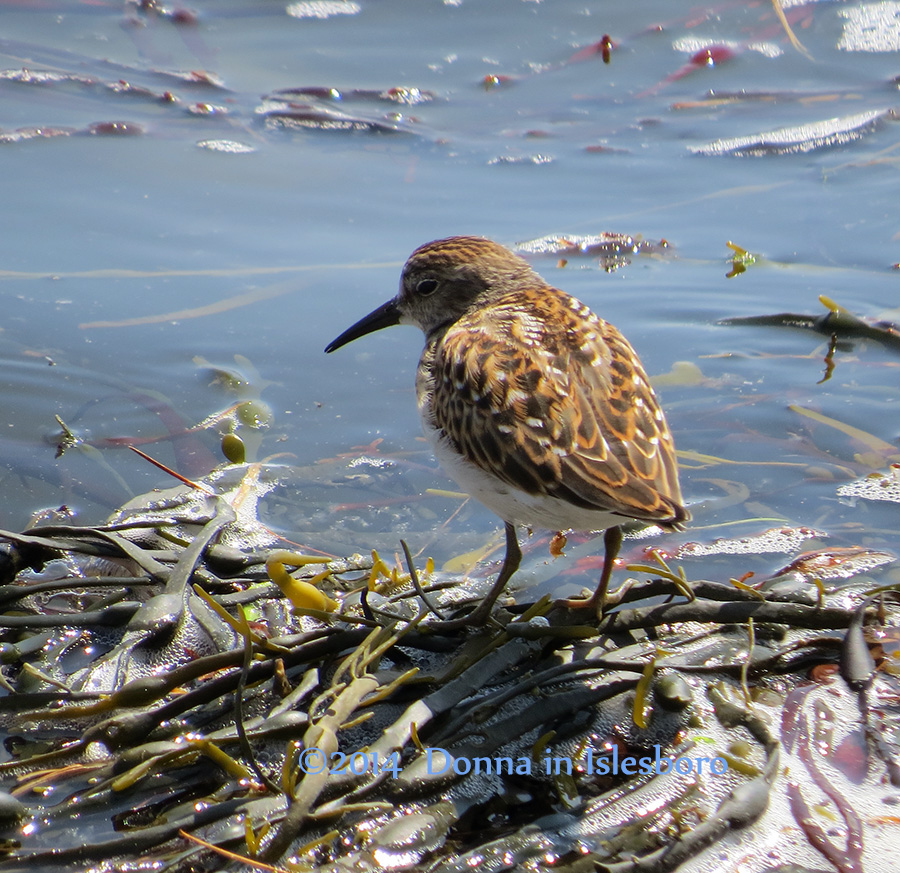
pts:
[537, 407]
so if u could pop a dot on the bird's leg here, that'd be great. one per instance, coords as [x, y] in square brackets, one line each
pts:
[510, 564]
[612, 542]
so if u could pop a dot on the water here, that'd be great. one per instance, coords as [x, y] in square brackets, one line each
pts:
[131, 260]
[316, 224]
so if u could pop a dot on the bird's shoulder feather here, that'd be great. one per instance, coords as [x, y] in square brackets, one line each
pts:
[553, 400]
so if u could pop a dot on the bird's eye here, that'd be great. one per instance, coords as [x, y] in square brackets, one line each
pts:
[426, 287]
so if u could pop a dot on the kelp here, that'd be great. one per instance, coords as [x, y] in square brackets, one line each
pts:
[169, 695]
[836, 321]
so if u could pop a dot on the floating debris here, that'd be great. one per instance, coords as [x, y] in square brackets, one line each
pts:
[707, 52]
[777, 539]
[26, 133]
[316, 114]
[226, 145]
[875, 486]
[322, 8]
[520, 159]
[800, 138]
[115, 128]
[43, 77]
[612, 249]
[407, 96]
[835, 563]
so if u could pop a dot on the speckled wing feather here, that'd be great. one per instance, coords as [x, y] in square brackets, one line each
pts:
[554, 401]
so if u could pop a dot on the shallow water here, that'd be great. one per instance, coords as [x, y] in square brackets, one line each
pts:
[308, 229]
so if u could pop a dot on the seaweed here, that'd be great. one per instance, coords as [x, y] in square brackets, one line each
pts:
[237, 722]
[835, 322]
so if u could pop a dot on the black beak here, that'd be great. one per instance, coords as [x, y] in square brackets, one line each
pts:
[386, 315]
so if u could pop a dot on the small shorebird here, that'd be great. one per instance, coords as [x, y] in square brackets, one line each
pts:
[534, 405]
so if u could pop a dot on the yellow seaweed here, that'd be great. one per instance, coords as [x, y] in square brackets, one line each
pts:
[641, 711]
[782, 18]
[880, 450]
[712, 460]
[682, 374]
[303, 595]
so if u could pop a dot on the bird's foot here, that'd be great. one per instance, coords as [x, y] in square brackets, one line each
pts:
[595, 603]
[482, 613]
[598, 601]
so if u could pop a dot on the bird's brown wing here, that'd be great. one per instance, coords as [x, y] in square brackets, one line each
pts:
[557, 404]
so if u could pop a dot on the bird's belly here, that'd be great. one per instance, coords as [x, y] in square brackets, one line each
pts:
[512, 504]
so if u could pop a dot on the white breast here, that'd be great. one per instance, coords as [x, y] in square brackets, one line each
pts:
[511, 504]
